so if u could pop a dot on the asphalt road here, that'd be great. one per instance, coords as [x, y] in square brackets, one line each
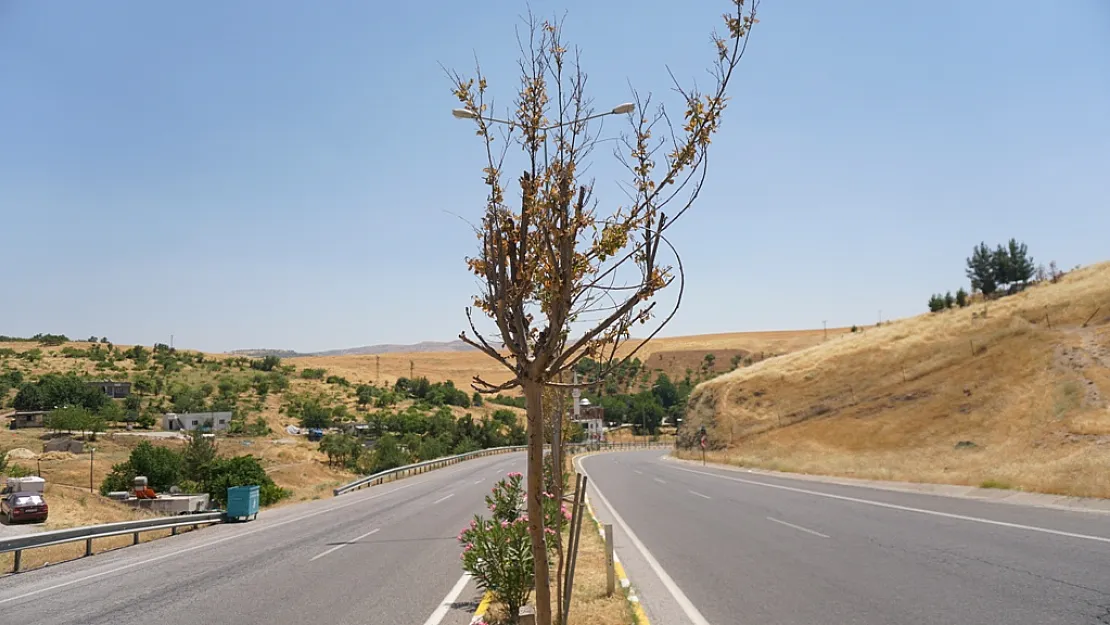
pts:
[705, 545]
[385, 554]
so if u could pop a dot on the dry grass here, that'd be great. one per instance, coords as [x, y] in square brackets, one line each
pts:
[892, 402]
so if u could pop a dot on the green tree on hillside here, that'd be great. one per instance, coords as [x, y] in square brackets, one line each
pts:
[949, 301]
[54, 390]
[982, 268]
[936, 303]
[961, 298]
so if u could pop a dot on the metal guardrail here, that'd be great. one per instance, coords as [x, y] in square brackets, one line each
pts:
[420, 467]
[429, 465]
[75, 534]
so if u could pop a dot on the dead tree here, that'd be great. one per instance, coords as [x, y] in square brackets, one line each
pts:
[560, 279]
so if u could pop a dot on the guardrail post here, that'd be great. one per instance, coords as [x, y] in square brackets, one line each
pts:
[135, 538]
[88, 547]
[173, 531]
[18, 561]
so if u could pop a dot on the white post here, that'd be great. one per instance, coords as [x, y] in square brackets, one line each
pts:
[611, 572]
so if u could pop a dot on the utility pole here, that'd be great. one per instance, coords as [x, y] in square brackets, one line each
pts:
[412, 370]
[171, 341]
[826, 324]
[92, 454]
[378, 371]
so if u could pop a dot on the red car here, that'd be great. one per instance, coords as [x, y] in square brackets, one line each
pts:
[24, 507]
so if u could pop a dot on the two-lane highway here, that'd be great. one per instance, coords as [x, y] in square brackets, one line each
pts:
[386, 554]
[708, 545]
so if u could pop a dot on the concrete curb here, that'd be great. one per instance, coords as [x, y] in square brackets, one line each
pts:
[995, 495]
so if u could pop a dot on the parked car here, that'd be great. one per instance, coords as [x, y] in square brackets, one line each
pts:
[24, 506]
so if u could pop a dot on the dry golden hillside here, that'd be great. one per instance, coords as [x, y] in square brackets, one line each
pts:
[674, 355]
[1009, 393]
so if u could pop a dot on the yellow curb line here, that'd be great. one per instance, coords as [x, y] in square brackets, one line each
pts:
[483, 607]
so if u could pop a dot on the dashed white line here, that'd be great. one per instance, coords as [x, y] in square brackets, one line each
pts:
[235, 536]
[637, 471]
[342, 545]
[797, 527]
[659, 480]
[478, 481]
[680, 597]
[441, 499]
[694, 492]
[891, 506]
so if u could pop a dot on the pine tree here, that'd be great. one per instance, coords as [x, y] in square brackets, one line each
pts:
[961, 298]
[1021, 264]
[981, 270]
[949, 301]
[936, 303]
[1003, 266]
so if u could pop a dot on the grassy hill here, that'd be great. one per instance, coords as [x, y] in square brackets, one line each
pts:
[1007, 393]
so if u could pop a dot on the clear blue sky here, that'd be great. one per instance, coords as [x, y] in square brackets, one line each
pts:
[283, 174]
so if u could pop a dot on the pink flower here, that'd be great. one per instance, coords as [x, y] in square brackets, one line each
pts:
[548, 495]
[504, 524]
[516, 474]
[548, 530]
[473, 524]
[468, 547]
[566, 515]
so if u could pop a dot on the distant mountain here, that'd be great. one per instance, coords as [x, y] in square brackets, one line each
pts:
[426, 346]
[262, 353]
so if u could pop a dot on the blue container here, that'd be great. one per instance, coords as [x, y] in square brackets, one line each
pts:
[242, 503]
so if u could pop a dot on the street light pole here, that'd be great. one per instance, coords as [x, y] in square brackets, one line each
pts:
[620, 109]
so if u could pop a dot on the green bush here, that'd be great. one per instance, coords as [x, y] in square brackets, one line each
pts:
[160, 465]
[223, 473]
[313, 374]
[18, 470]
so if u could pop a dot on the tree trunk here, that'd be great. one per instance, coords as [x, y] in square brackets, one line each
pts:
[557, 475]
[533, 393]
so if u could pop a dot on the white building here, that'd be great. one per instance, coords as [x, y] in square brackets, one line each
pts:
[189, 421]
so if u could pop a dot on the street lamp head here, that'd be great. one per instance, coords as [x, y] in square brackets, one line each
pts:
[621, 109]
[464, 114]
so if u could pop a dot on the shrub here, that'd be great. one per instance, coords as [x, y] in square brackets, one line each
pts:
[313, 374]
[223, 473]
[338, 380]
[18, 470]
[269, 363]
[160, 465]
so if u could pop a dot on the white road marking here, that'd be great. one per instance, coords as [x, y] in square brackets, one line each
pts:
[445, 605]
[680, 597]
[694, 492]
[340, 546]
[235, 536]
[478, 481]
[891, 506]
[443, 499]
[797, 527]
[637, 471]
[658, 480]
